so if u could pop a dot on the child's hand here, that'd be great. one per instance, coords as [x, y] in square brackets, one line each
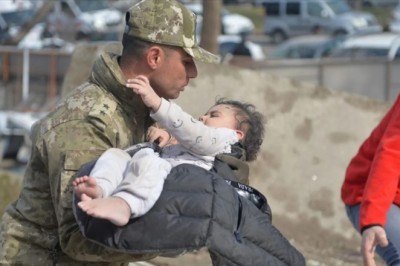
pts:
[159, 135]
[141, 85]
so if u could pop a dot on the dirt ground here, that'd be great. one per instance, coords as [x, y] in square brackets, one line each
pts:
[312, 133]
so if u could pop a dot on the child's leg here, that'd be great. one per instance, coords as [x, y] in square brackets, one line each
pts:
[109, 170]
[143, 181]
[114, 209]
[87, 185]
[141, 187]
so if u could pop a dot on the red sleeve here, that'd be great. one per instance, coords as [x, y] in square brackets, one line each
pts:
[383, 180]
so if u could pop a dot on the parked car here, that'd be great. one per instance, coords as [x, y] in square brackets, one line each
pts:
[287, 18]
[383, 45]
[81, 19]
[231, 23]
[305, 47]
[228, 44]
[36, 38]
[394, 25]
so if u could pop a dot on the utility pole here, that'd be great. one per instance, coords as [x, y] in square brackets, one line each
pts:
[211, 25]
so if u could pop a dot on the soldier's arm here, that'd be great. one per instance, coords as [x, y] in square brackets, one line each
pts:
[66, 148]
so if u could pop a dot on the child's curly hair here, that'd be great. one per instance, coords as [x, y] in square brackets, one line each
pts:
[251, 122]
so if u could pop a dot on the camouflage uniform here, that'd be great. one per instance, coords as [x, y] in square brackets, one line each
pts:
[100, 114]
[39, 228]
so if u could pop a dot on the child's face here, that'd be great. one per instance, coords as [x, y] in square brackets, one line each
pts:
[220, 116]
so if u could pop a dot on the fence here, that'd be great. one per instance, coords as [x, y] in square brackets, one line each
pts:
[27, 74]
[37, 75]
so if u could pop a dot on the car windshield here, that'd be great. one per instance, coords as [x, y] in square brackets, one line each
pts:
[300, 51]
[17, 18]
[90, 5]
[339, 7]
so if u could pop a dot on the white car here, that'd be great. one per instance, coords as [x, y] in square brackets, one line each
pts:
[228, 43]
[35, 39]
[232, 24]
[381, 45]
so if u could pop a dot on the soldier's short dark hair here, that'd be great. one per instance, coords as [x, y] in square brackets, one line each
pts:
[134, 47]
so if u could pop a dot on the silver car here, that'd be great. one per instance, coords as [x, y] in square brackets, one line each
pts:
[380, 45]
[288, 18]
[232, 23]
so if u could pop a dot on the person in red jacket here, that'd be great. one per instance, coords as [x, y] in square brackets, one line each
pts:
[371, 190]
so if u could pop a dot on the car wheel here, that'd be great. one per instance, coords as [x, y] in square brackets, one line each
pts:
[278, 36]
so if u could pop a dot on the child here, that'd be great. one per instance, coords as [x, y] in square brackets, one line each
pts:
[138, 180]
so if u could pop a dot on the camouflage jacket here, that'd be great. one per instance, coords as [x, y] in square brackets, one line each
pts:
[39, 227]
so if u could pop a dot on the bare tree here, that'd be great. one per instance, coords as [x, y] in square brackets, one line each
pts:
[211, 25]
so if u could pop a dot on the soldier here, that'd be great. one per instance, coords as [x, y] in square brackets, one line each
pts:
[39, 228]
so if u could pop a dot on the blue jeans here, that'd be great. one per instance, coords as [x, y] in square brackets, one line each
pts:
[391, 253]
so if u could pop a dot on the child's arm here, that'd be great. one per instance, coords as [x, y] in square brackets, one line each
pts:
[193, 134]
[141, 85]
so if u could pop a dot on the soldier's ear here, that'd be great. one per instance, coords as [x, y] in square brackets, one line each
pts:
[154, 56]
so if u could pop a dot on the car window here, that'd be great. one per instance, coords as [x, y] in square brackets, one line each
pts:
[328, 47]
[338, 6]
[293, 9]
[314, 9]
[361, 52]
[280, 52]
[17, 18]
[341, 52]
[293, 51]
[374, 52]
[306, 52]
[271, 9]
